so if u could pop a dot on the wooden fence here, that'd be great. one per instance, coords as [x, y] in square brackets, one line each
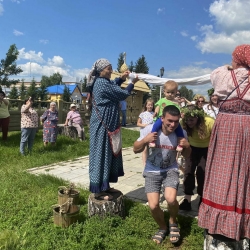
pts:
[63, 108]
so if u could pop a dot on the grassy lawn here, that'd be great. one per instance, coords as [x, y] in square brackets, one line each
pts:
[26, 201]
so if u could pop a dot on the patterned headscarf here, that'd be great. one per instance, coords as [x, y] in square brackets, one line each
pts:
[98, 66]
[241, 55]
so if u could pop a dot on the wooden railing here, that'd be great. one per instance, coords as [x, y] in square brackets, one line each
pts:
[41, 106]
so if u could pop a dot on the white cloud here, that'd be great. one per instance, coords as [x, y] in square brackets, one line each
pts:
[18, 33]
[161, 10]
[44, 41]
[231, 27]
[31, 56]
[184, 33]
[57, 61]
[194, 38]
[1, 9]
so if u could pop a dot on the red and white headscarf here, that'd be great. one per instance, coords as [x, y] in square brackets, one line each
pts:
[241, 55]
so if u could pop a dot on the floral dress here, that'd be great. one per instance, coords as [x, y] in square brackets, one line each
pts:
[50, 119]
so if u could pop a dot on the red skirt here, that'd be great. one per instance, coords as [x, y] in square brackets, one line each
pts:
[225, 207]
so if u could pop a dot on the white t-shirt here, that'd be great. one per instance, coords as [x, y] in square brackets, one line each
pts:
[163, 156]
[211, 111]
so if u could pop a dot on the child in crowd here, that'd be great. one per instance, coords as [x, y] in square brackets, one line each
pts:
[146, 118]
[170, 89]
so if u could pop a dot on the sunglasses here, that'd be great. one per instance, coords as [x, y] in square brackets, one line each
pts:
[178, 95]
[201, 101]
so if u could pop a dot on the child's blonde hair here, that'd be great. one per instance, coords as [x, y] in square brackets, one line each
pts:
[145, 104]
[172, 84]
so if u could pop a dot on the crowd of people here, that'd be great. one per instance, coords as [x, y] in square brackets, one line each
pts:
[30, 123]
[213, 138]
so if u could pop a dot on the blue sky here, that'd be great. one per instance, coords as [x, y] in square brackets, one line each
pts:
[187, 37]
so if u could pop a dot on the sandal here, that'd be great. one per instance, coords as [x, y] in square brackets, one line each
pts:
[174, 228]
[159, 236]
[102, 195]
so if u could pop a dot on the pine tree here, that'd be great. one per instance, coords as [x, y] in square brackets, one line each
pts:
[141, 65]
[13, 93]
[131, 67]
[42, 92]
[32, 90]
[8, 66]
[45, 80]
[84, 84]
[120, 62]
[66, 94]
[22, 90]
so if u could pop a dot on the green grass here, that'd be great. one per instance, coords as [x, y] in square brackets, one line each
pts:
[26, 218]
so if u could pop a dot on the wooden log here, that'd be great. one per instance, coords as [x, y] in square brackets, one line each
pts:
[104, 208]
[68, 131]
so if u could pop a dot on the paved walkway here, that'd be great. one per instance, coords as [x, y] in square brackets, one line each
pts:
[131, 184]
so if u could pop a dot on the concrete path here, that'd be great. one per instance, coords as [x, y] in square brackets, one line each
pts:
[131, 184]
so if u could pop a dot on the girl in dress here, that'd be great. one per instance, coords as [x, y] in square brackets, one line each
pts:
[146, 118]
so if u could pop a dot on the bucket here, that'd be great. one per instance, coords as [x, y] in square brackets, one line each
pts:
[64, 194]
[68, 218]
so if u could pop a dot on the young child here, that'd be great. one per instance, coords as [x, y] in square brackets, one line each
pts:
[146, 118]
[170, 90]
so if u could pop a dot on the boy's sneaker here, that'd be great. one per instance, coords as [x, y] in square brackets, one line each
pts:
[151, 144]
[185, 205]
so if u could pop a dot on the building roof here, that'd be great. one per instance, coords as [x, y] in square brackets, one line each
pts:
[58, 89]
[139, 86]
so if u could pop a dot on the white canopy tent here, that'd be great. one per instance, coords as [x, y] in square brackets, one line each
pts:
[158, 81]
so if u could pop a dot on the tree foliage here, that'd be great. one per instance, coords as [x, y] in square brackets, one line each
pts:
[131, 66]
[120, 62]
[32, 90]
[187, 93]
[8, 66]
[141, 65]
[54, 79]
[13, 93]
[42, 92]
[84, 84]
[66, 94]
[22, 90]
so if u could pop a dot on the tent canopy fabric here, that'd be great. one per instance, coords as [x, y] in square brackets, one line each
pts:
[154, 80]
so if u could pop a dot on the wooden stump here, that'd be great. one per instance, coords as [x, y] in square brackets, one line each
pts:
[104, 208]
[68, 131]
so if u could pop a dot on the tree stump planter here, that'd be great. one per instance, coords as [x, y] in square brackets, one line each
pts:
[66, 214]
[65, 193]
[103, 208]
[68, 131]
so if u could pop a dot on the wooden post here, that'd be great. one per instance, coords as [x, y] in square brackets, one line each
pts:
[60, 111]
[103, 208]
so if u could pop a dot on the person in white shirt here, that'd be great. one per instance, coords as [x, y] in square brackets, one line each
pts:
[161, 169]
[212, 108]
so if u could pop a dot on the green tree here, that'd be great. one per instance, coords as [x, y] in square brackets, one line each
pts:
[55, 79]
[22, 90]
[84, 84]
[155, 93]
[32, 90]
[13, 93]
[141, 65]
[42, 92]
[66, 94]
[120, 62]
[131, 66]
[45, 80]
[8, 66]
[187, 93]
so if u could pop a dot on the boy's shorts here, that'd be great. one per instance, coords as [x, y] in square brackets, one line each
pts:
[154, 181]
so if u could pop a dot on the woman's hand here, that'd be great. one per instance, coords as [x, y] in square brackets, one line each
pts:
[135, 80]
[125, 75]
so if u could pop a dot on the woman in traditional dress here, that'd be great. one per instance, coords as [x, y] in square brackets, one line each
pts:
[225, 207]
[50, 120]
[104, 165]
